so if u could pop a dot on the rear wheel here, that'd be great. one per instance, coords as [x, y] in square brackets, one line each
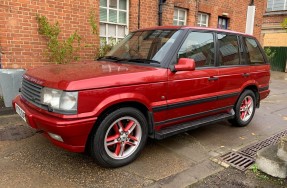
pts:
[244, 109]
[119, 138]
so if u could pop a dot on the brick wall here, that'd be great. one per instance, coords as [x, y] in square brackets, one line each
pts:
[236, 10]
[21, 44]
[23, 47]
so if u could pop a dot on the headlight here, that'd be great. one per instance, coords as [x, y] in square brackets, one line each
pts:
[61, 101]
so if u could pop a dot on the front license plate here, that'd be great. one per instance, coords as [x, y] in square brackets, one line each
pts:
[20, 112]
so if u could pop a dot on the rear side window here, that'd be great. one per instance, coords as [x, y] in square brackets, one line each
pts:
[228, 50]
[253, 53]
[200, 47]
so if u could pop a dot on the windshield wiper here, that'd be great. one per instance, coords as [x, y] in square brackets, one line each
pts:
[149, 61]
[112, 58]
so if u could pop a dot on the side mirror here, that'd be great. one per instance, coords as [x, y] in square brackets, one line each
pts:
[184, 64]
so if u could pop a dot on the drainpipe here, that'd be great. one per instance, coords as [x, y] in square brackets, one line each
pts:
[250, 18]
[161, 2]
[139, 14]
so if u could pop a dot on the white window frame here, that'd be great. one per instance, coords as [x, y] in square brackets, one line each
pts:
[199, 21]
[269, 9]
[106, 36]
[178, 20]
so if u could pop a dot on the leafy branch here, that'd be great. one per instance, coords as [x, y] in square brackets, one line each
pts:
[60, 52]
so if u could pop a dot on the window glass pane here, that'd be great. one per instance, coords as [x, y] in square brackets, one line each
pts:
[103, 3]
[174, 22]
[112, 16]
[122, 17]
[121, 31]
[200, 47]
[103, 14]
[181, 15]
[103, 29]
[228, 50]
[112, 30]
[113, 3]
[278, 5]
[203, 18]
[180, 23]
[254, 55]
[175, 14]
[123, 4]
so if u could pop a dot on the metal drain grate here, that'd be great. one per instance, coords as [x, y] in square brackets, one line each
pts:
[246, 156]
[237, 160]
[252, 150]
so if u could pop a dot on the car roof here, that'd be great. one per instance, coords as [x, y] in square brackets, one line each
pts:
[194, 28]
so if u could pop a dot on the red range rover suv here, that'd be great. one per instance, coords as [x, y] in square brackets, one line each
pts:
[155, 83]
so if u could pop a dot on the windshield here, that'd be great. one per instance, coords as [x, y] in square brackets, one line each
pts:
[149, 46]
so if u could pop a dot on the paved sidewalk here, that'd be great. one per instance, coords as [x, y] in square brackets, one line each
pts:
[173, 162]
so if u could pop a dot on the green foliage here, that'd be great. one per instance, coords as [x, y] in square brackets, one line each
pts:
[59, 52]
[105, 47]
[284, 24]
[254, 168]
[93, 22]
[269, 53]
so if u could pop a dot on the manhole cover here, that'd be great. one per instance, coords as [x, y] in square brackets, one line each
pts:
[16, 132]
[246, 156]
[237, 160]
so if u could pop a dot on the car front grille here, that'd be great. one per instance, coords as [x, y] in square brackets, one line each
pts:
[31, 92]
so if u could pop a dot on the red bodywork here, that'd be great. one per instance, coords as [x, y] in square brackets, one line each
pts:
[102, 85]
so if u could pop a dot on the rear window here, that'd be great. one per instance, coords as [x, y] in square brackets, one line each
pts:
[253, 53]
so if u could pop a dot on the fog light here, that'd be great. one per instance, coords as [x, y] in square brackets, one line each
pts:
[56, 137]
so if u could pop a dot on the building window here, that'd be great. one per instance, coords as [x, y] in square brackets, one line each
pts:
[202, 20]
[179, 16]
[275, 5]
[222, 23]
[113, 20]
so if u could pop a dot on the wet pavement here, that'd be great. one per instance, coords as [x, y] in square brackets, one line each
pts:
[32, 161]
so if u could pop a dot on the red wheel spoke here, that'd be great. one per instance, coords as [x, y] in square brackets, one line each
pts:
[118, 149]
[116, 128]
[133, 138]
[129, 126]
[112, 138]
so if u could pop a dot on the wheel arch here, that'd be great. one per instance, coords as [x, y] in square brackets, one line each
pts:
[134, 104]
[255, 90]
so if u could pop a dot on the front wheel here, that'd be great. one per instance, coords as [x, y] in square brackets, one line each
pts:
[119, 138]
[244, 109]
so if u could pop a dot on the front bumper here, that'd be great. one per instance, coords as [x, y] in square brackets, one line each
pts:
[74, 132]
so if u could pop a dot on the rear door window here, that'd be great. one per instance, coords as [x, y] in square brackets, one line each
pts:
[228, 50]
[253, 53]
[200, 47]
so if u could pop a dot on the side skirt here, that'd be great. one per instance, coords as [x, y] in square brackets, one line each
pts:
[180, 128]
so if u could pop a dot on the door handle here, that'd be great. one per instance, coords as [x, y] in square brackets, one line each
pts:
[212, 78]
[245, 75]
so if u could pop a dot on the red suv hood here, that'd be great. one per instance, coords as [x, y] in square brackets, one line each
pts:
[95, 74]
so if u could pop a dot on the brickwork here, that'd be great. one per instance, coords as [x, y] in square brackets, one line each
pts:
[236, 13]
[23, 47]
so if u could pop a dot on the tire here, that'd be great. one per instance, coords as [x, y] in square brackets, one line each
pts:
[120, 138]
[243, 113]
